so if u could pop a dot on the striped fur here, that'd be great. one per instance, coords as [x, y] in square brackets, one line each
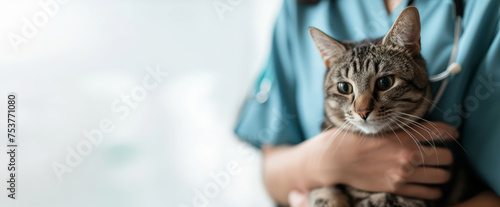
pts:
[369, 109]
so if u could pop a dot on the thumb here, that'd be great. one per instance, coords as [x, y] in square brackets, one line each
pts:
[298, 199]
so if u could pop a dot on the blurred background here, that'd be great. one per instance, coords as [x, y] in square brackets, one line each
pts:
[132, 103]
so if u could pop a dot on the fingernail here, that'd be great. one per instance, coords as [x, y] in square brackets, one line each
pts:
[294, 198]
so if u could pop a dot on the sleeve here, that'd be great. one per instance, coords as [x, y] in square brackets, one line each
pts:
[269, 116]
[481, 108]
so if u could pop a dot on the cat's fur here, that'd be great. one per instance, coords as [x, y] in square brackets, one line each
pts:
[368, 108]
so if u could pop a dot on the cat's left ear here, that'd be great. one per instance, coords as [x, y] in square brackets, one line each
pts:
[405, 32]
[327, 46]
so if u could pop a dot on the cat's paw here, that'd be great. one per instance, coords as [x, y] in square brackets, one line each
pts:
[328, 197]
[390, 200]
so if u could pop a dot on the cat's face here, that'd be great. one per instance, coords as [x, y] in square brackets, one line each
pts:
[373, 87]
[377, 85]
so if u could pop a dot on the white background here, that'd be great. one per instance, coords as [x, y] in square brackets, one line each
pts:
[89, 54]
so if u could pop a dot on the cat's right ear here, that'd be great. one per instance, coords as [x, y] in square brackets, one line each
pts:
[405, 32]
[327, 46]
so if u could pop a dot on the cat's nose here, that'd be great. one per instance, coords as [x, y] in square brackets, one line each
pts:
[363, 113]
[363, 105]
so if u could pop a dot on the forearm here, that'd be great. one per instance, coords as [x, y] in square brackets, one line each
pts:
[278, 172]
[484, 199]
[283, 171]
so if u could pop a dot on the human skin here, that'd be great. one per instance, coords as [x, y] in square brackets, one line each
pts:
[390, 162]
[291, 171]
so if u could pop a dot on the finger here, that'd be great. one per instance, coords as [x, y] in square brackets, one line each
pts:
[428, 175]
[434, 131]
[419, 191]
[297, 199]
[434, 156]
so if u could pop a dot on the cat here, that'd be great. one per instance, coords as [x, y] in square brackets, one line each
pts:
[369, 84]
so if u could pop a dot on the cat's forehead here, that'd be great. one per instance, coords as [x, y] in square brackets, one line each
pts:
[360, 61]
[370, 52]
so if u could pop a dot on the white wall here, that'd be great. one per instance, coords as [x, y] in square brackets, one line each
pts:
[88, 55]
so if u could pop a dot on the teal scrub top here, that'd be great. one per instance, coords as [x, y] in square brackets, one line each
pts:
[287, 103]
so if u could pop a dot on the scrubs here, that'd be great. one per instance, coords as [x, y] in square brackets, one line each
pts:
[287, 103]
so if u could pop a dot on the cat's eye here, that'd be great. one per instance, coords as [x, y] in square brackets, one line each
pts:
[385, 83]
[344, 87]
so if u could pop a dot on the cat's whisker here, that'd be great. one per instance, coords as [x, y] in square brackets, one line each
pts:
[333, 114]
[359, 140]
[434, 126]
[395, 133]
[341, 128]
[429, 142]
[429, 131]
[334, 135]
[378, 141]
[342, 139]
[364, 139]
[414, 140]
[328, 127]
[412, 122]
[433, 132]
[408, 126]
[433, 104]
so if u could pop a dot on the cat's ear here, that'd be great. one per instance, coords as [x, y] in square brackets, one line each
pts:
[405, 32]
[327, 46]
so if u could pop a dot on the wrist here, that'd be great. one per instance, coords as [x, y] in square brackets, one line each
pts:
[304, 176]
[312, 164]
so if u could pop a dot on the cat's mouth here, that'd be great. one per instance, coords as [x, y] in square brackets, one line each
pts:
[372, 126]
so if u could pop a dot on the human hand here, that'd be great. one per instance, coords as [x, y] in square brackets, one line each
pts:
[298, 198]
[390, 162]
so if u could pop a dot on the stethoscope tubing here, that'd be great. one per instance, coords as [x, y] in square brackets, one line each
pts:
[452, 69]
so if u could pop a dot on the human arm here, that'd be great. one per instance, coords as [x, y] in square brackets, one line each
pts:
[378, 163]
[283, 171]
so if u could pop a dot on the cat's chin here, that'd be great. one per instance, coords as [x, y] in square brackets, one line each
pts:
[371, 127]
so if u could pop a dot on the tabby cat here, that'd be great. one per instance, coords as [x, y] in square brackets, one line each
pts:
[368, 84]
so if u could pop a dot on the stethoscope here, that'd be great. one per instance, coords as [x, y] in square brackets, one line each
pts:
[453, 67]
